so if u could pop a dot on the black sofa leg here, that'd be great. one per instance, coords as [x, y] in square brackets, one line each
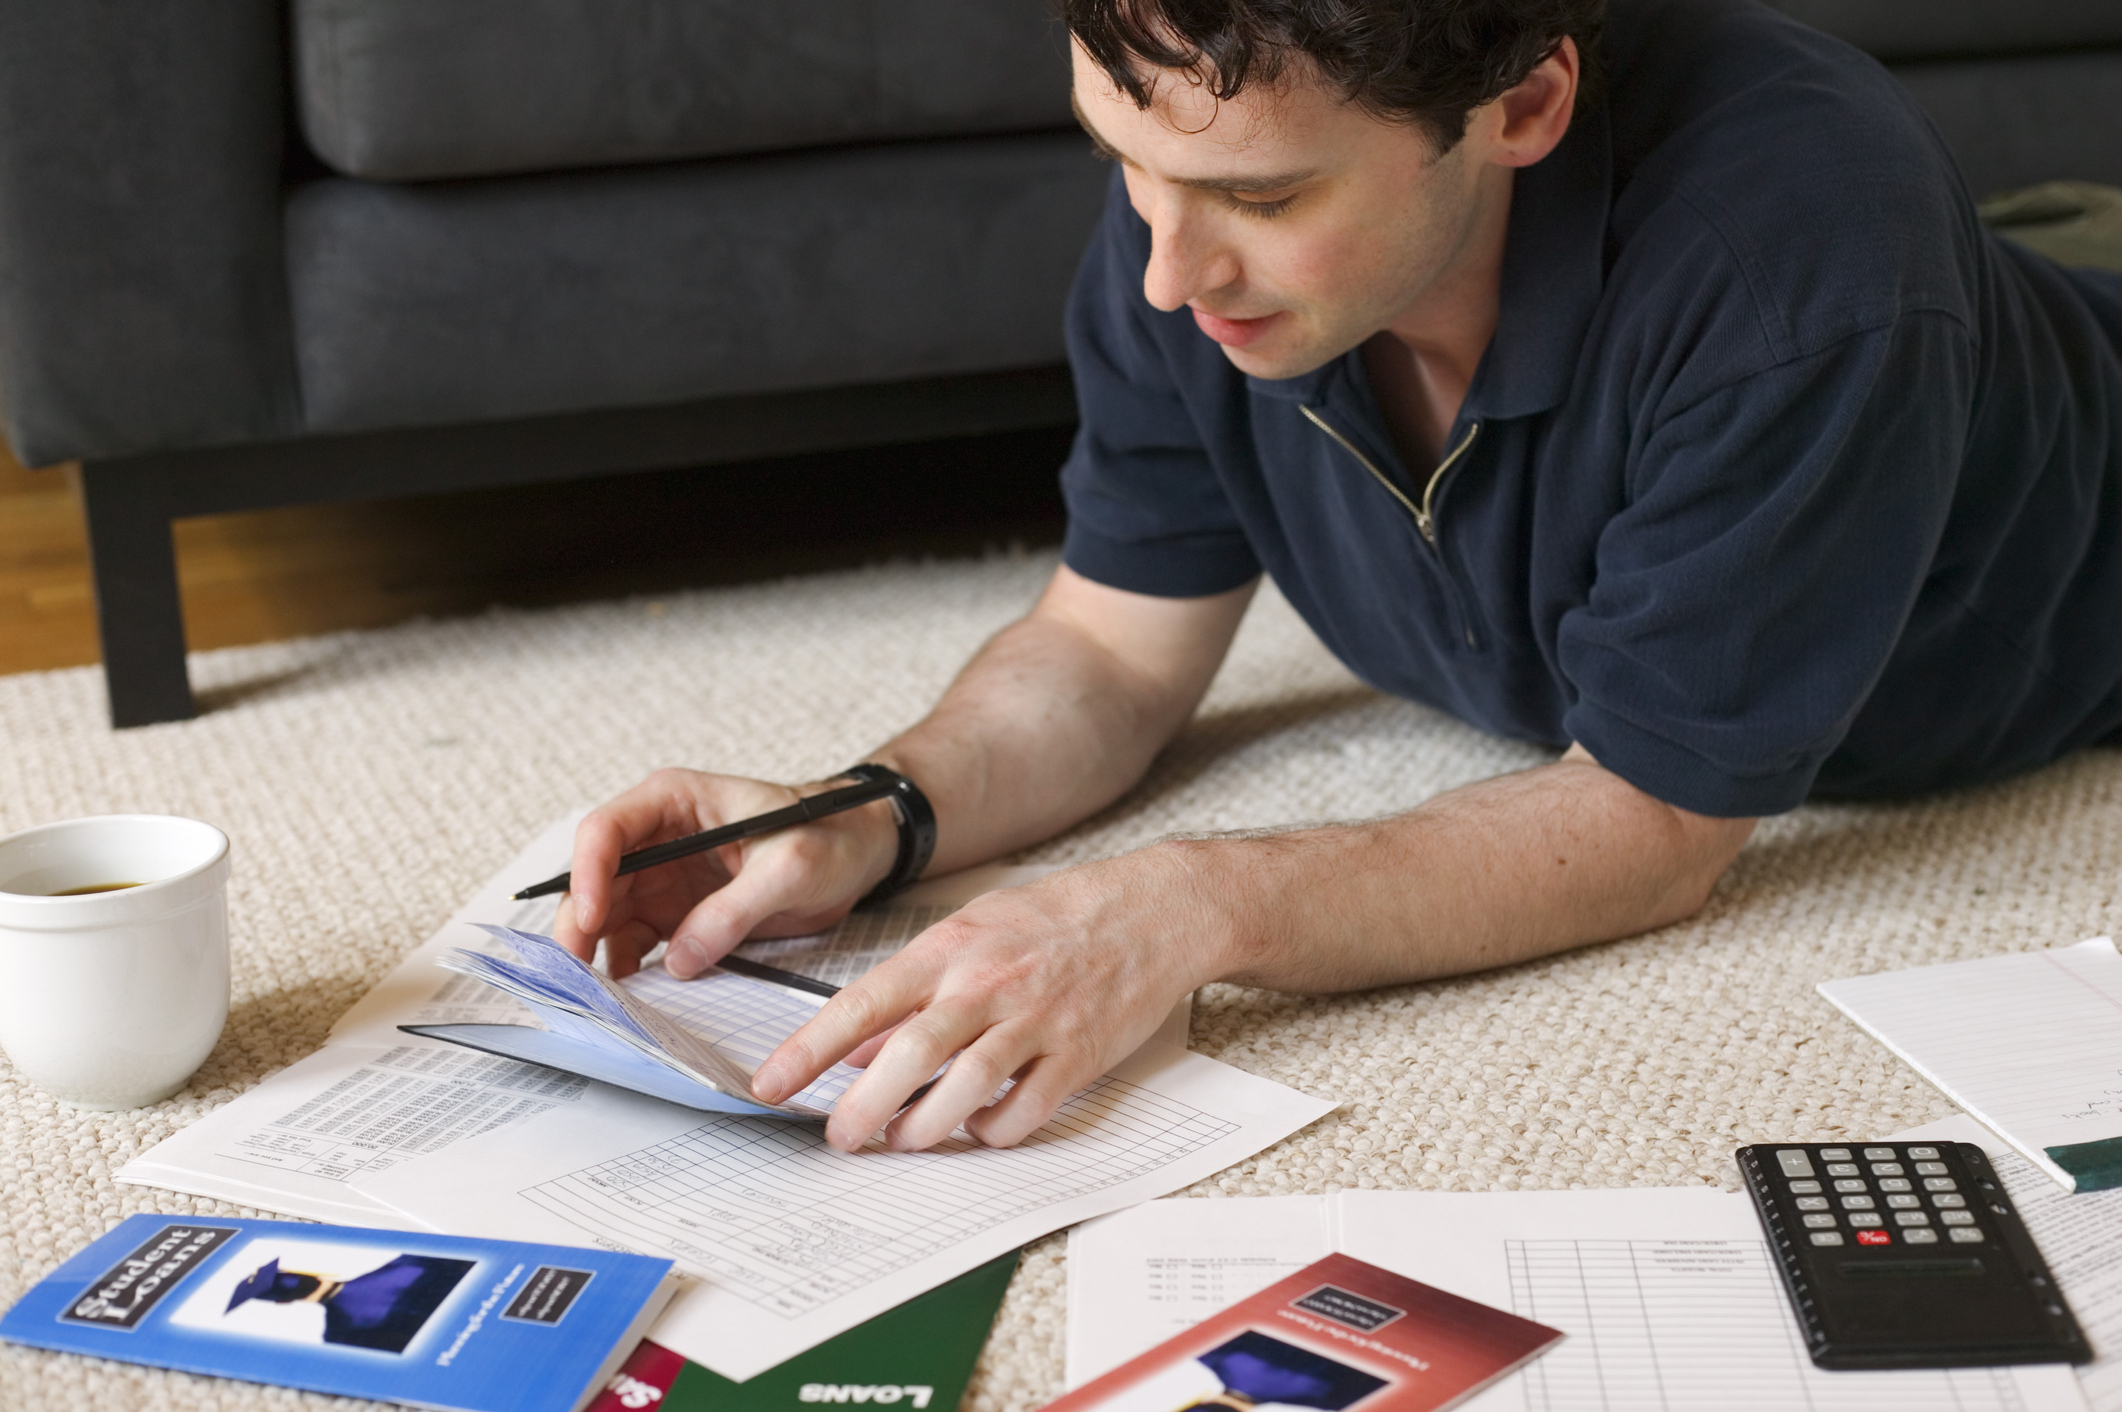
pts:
[138, 612]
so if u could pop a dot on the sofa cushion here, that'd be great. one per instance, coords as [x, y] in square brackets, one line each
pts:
[465, 301]
[406, 89]
[2014, 122]
[1936, 29]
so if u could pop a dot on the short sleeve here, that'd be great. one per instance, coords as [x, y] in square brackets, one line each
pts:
[1777, 534]
[1146, 510]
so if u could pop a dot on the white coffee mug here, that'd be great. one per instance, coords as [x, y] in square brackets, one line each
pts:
[113, 955]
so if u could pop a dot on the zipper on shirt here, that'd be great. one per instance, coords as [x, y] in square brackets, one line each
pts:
[1425, 515]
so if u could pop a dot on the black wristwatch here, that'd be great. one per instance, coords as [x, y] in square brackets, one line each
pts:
[917, 830]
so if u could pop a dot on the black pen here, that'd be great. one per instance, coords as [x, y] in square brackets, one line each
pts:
[760, 971]
[803, 811]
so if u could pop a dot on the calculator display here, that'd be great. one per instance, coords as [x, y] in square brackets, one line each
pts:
[1907, 1255]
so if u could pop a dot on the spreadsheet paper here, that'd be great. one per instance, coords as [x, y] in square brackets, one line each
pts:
[793, 1241]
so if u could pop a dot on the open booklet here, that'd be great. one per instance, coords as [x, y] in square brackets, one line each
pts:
[694, 1042]
[613, 1031]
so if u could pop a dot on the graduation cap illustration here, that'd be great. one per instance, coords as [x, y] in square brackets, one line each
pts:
[382, 1309]
[261, 1283]
[1255, 1368]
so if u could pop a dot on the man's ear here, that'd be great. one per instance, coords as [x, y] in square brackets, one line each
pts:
[1530, 119]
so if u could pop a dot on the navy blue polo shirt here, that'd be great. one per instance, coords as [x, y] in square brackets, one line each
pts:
[1780, 476]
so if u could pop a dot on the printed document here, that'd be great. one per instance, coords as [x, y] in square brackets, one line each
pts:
[294, 1143]
[1667, 1295]
[793, 1241]
[2029, 1044]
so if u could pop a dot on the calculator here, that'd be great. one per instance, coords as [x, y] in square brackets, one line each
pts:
[1907, 1255]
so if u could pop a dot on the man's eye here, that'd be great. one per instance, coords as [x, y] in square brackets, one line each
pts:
[1261, 209]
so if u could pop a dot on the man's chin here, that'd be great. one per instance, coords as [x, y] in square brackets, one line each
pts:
[1272, 364]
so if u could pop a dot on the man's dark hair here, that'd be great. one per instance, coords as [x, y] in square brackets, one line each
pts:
[1428, 62]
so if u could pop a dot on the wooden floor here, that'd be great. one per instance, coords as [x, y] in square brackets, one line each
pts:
[290, 573]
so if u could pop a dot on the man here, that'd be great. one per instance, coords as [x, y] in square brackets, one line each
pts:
[1696, 430]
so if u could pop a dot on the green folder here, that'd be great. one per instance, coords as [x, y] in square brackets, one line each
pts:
[915, 1358]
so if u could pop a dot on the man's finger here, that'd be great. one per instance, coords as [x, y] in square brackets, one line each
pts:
[1045, 1084]
[599, 841]
[626, 945]
[569, 935]
[908, 1060]
[862, 1012]
[765, 882]
[852, 1016]
[860, 1056]
[658, 807]
[965, 1088]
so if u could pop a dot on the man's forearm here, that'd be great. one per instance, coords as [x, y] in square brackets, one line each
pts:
[1493, 873]
[1060, 714]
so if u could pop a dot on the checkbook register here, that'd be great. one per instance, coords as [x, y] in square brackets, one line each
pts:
[1907, 1255]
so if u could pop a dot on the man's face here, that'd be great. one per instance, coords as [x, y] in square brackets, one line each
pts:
[1292, 223]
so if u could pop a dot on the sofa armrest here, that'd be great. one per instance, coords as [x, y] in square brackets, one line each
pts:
[143, 299]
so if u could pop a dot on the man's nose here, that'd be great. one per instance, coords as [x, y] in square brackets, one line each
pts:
[1186, 260]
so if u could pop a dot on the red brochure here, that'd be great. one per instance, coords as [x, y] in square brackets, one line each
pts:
[1338, 1336]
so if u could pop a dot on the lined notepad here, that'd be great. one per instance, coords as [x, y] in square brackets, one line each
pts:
[2029, 1044]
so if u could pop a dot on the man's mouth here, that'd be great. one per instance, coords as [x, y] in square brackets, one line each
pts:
[1233, 333]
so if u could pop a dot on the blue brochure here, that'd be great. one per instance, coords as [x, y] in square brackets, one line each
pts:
[429, 1320]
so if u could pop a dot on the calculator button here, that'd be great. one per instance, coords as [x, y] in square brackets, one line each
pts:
[1893, 1183]
[1827, 1237]
[1874, 1238]
[1911, 1218]
[1856, 1203]
[1842, 1169]
[1878, 1154]
[1904, 1202]
[1965, 1235]
[1804, 1188]
[1886, 1169]
[1821, 1221]
[1864, 1218]
[1920, 1236]
[1940, 1184]
[1812, 1203]
[1945, 1199]
[1957, 1218]
[1851, 1184]
[1930, 1169]
[1834, 1154]
[1794, 1162]
[1923, 1154]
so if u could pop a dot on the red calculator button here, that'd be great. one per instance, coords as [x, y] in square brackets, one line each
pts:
[1874, 1238]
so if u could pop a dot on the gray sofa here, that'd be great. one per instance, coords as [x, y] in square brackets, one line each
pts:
[266, 252]
[262, 252]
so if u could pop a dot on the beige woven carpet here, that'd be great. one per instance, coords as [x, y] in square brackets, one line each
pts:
[370, 781]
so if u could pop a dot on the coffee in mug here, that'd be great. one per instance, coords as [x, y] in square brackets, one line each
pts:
[113, 955]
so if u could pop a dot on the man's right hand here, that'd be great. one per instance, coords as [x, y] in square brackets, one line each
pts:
[790, 883]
